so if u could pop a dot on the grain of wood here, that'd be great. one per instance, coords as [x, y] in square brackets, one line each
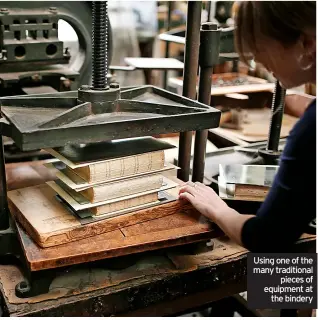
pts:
[114, 244]
[49, 223]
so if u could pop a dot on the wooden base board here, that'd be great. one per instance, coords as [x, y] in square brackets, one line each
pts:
[50, 223]
[183, 227]
[254, 84]
[257, 127]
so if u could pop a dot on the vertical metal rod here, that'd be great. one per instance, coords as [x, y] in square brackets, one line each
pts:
[201, 136]
[209, 10]
[278, 104]
[205, 83]
[4, 212]
[190, 71]
[235, 66]
[165, 76]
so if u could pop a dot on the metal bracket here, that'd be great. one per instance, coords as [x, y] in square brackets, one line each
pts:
[10, 248]
[11, 253]
[36, 283]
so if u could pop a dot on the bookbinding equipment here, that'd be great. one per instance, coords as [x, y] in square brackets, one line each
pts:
[105, 111]
[102, 111]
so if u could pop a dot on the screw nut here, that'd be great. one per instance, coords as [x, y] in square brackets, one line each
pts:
[114, 85]
[209, 26]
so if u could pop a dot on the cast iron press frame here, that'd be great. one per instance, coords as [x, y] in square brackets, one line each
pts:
[83, 119]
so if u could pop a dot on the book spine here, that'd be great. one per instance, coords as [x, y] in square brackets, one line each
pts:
[126, 166]
[125, 204]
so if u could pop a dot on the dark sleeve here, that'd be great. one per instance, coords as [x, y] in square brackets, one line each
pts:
[291, 203]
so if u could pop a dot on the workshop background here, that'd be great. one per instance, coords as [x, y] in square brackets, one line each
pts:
[140, 29]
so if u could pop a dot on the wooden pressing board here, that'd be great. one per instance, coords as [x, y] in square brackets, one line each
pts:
[50, 223]
[256, 85]
[257, 128]
[171, 224]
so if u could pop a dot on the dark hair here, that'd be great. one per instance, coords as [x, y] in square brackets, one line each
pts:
[284, 21]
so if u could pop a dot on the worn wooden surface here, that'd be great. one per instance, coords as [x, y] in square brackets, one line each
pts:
[176, 229]
[55, 225]
[172, 224]
[158, 295]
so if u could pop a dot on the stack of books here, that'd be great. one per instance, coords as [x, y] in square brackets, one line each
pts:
[245, 182]
[94, 183]
[107, 179]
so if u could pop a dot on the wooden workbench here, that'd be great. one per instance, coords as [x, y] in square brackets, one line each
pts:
[157, 295]
[212, 279]
[156, 284]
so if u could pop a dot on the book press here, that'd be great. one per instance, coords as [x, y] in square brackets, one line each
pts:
[95, 115]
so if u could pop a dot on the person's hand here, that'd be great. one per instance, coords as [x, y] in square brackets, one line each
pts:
[204, 199]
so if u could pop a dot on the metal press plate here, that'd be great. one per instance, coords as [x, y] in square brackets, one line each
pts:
[260, 175]
[153, 94]
[224, 156]
[143, 111]
[230, 156]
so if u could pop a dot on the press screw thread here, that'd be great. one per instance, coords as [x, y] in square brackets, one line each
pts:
[99, 45]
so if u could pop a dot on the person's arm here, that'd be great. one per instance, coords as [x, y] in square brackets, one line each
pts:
[232, 224]
[296, 104]
[291, 203]
[289, 206]
[215, 209]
